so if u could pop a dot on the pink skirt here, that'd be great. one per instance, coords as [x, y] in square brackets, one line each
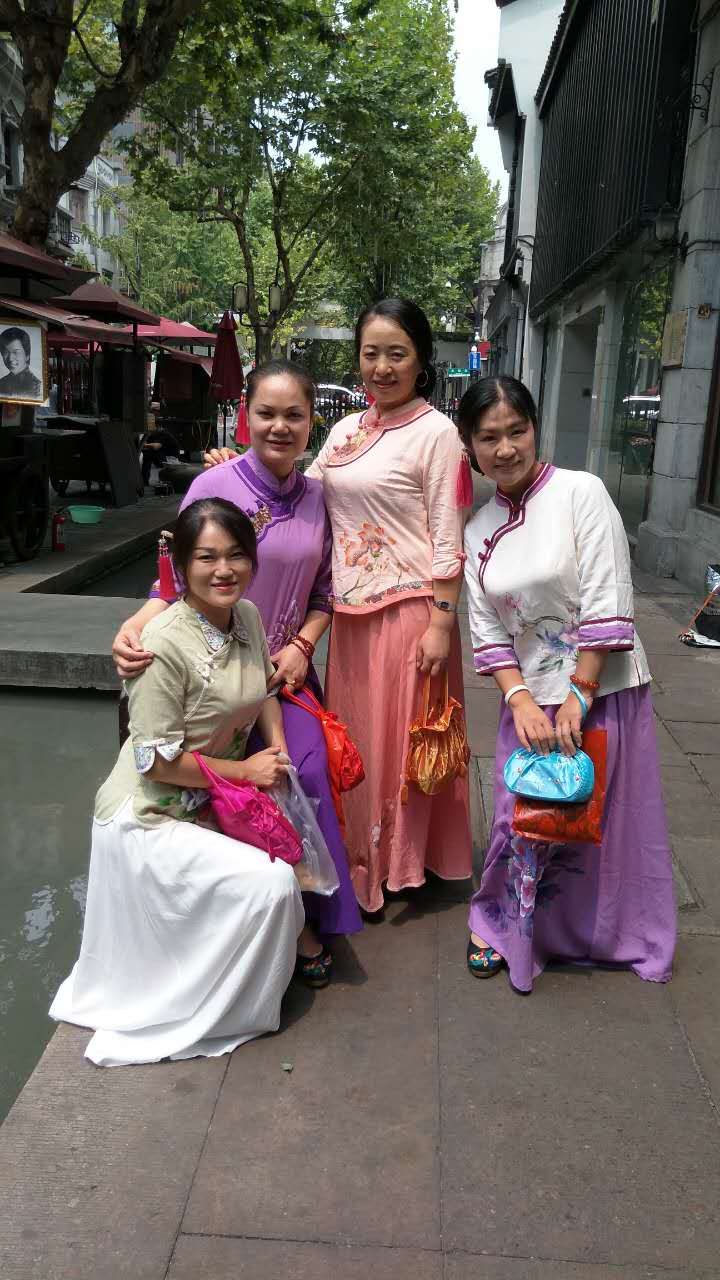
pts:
[373, 686]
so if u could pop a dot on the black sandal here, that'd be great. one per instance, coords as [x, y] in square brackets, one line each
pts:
[483, 962]
[314, 971]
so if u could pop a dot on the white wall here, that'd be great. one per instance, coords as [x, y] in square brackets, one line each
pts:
[527, 29]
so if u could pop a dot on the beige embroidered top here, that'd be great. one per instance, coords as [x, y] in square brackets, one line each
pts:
[202, 692]
[390, 491]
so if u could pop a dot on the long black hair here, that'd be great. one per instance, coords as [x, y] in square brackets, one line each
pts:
[416, 325]
[192, 521]
[483, 395]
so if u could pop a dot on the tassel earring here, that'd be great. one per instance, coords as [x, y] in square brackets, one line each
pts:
[463, 483]
[167, 586]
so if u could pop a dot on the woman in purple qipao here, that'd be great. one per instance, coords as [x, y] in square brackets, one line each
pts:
[293, 592]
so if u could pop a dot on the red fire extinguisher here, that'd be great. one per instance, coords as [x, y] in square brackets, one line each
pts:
[58, 531]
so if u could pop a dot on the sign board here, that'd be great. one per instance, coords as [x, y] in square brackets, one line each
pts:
[458, 373]
[474, 361]
[674, 334]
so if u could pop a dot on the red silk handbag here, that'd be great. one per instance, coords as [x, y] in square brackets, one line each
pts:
[345, 766]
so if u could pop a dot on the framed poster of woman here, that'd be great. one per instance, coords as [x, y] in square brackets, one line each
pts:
[23, 353]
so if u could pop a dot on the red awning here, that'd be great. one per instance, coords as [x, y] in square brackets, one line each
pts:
[175, 331]
[25, 259]
[186, 357]
[77, 326]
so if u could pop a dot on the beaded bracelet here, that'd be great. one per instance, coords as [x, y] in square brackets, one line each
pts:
[306, 647]
[592, 686]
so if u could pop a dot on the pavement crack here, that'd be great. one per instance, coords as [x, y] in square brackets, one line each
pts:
[201, 1153]
[704, 1084]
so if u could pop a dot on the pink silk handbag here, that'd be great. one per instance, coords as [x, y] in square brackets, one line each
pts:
[245, 813]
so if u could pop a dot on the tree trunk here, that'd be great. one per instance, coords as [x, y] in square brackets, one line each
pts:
[264, 334]
[43, 47]
[43, 39]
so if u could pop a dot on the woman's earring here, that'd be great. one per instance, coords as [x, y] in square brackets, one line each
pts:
[420, 384]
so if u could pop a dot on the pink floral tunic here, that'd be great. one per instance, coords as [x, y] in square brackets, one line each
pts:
[390, 491]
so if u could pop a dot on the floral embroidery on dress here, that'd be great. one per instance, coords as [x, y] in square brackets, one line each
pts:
[560, 643]
[534, 872]
[370, 550]
[353, 441]
[559, 637]
[261, 518]
[285, 627]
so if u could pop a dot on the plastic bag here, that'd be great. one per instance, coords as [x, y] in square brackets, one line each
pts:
[568, 823]
[315, 872]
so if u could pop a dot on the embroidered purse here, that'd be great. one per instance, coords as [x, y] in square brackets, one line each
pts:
[246, 813]
[555, 777]
[568, 823]
[438, 750]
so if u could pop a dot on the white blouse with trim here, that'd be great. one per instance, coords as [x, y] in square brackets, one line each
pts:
[548, 578]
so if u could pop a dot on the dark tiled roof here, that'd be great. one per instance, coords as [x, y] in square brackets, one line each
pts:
[499, 81]
[569, 9]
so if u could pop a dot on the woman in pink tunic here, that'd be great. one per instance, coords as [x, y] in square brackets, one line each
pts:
[389, 478]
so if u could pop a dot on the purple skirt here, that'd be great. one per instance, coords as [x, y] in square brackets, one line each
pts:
[596, 904]
[306, 747]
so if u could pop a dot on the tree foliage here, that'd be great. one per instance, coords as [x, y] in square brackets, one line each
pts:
[88, 63]
[340, 162]
[170, 262]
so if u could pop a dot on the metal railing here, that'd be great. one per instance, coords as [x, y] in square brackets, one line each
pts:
[332, 407]
[615, 110]
[62, 227]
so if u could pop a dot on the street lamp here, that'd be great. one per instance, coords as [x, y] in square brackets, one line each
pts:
[239, 297]
[274, 298]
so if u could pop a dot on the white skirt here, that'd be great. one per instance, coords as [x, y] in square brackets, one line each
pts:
[188, 946]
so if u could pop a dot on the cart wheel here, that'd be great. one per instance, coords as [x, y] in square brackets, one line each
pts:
[27, 514]
[60, 486]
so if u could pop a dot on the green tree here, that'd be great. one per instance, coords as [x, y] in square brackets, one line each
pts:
[338, 162]
[172, 263]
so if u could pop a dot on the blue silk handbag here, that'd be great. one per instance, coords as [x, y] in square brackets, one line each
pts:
[555, 778]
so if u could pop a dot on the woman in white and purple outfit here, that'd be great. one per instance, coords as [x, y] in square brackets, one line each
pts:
[551, 607]
[293, 593]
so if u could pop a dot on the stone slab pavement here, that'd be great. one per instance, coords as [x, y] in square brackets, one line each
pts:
[60, 642]
[431, 1127]
[90, 549]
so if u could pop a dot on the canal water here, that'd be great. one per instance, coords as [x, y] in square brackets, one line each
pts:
[56, 747]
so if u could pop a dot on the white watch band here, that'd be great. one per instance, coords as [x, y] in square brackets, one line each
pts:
[515, 689]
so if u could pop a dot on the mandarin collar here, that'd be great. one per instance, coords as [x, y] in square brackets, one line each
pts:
[214, 637]
[281, 487]
[404, 413]
[544, 474]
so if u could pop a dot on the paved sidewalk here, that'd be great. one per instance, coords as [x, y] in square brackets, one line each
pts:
[432, 1127]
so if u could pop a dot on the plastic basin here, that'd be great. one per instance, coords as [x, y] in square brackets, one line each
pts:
[86, 515]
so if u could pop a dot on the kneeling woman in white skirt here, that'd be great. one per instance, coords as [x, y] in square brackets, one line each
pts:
[190, 937]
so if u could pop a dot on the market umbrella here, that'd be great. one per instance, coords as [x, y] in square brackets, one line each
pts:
[226, 379]
[98, 299]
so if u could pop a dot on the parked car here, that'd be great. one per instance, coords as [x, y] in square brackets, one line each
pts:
[334, 402]
[642, 406]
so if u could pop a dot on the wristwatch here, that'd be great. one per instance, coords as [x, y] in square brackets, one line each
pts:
[445, 605]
